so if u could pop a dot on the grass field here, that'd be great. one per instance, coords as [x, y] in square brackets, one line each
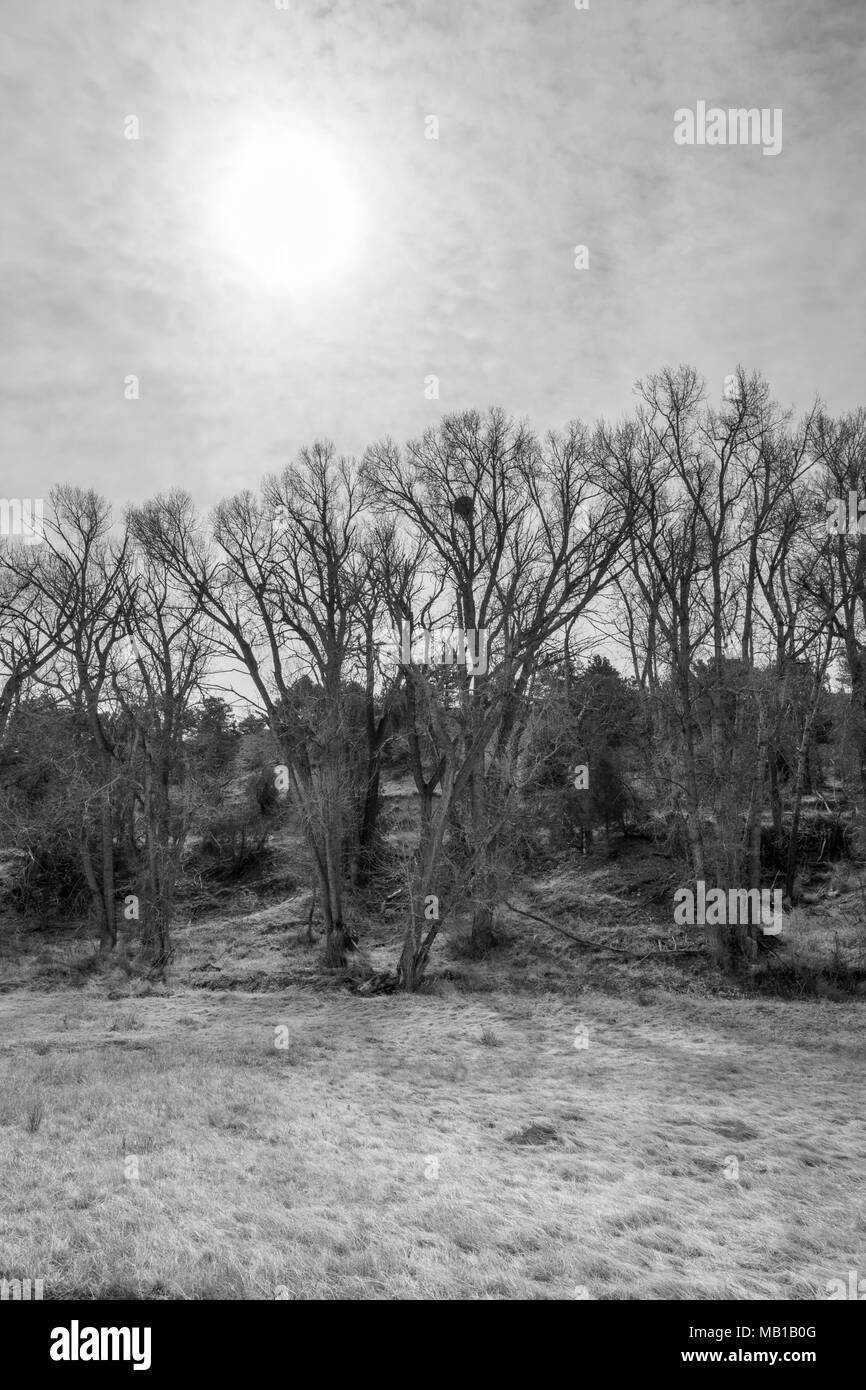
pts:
[157, 1143]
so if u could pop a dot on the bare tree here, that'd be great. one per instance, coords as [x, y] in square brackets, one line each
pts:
[157, 671]
[280, 582]
[76, 576]
[516, 555]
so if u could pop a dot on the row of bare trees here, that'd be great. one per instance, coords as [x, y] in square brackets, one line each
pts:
[737, 602]
[691, 537]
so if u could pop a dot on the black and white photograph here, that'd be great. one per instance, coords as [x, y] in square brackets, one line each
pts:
[432, 665]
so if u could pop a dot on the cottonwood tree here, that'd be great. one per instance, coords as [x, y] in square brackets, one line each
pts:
[280, 578]
[380, 693]
[668, 560]
[126, 656]
[157, 671]
[76, 576]
[718, 530]
[838, 584]
[729, 469]
[519, 540]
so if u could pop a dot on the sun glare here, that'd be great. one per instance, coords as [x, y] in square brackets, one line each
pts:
[287, 213]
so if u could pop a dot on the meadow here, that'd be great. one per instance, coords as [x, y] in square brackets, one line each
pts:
[529, 1126]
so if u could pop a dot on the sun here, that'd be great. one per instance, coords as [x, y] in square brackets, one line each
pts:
[286, 212]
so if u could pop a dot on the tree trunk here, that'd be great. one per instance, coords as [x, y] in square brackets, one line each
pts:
[8, 697]
[337, 942]
[337, 939]
[109, 938]
[775, 802]
[96, 893]
[693, 800]
[481, 934]
[417, 946]
[324, 834]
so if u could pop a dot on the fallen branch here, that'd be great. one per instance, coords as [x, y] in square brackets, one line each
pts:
[597, 946]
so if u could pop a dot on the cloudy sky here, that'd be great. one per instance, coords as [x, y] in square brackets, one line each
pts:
[449, 257]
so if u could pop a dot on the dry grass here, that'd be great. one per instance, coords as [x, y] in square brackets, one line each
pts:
[391, 1149]
[548, 1123]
